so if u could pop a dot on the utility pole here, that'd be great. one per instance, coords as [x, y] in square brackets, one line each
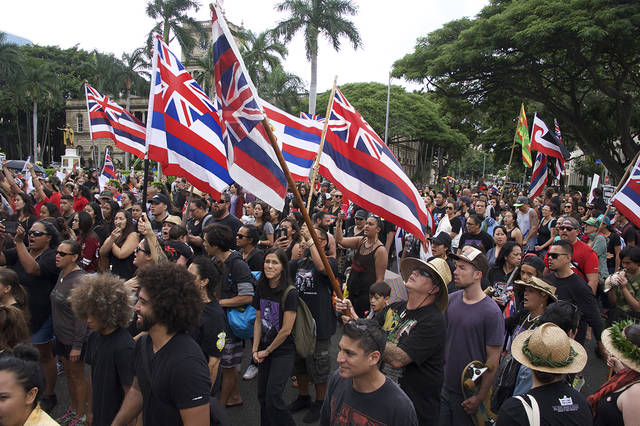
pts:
[386, 121]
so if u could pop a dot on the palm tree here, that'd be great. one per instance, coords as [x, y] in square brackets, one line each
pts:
[282, 89]
[205, 77]
[173, 19]
[135, 66]
[315, 17]
[262, 53]
[9, 58]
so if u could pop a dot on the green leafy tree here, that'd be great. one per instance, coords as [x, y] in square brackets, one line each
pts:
[282, 89]
[315, 18]
[174, 23]
[578, 60]
[9, 58]
[261, 53]
[135, 65]
[412, 117]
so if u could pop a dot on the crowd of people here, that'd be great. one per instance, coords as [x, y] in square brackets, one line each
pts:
[162, 299]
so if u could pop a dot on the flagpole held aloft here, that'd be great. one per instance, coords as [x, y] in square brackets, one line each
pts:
[322, 138]
[305, 213]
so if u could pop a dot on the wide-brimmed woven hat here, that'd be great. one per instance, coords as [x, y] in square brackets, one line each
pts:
[622, 340]
[549, 349]
[439, 269]
[541, 285]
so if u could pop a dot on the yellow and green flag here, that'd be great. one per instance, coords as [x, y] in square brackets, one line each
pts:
[522, 137]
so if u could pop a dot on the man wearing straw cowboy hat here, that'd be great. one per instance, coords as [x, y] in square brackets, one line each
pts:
[414, 353]
[550, 354]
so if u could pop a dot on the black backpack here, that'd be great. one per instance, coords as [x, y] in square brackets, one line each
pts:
[505, 381]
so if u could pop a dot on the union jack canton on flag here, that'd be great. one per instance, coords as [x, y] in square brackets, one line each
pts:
[251, 160]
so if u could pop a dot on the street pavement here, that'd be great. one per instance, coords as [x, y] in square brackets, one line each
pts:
[595, 374]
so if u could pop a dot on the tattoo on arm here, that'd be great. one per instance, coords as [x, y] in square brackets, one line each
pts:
[395, 356]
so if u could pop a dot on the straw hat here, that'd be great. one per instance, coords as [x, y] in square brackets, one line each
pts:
[549, 349]
[439, 269]
[622, 340]
[540, 285]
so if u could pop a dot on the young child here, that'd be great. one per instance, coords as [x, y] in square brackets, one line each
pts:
[379, 293]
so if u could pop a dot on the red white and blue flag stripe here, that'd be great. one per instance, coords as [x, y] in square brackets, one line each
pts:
[627, 200]
[108, 170]
[251, 160]
[559, 163]
[542, 140]
[184, 133]
[539, 177]
[108, 120]
[361, 165]
[299, 140]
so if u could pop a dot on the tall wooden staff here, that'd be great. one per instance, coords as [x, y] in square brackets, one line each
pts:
[316, 163]
[305, 213]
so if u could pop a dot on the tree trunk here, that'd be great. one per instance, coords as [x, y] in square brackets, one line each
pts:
[35, 131]
[314, 83]
[29, 136]
[19, 150]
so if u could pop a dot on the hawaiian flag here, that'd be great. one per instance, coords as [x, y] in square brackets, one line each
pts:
[542, 140]
[539, 177]
[627, 200]
[559, 163]
[251, 160]
[361, 165]
[313, 117]
[108, 171]
[108, 120]
[183, 127]
[299, 139]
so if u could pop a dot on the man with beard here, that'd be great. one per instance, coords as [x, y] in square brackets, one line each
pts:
[322, 220]
[220, 212]
[171, 384]
[439, 210]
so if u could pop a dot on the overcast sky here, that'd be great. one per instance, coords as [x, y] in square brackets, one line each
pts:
[388, 30]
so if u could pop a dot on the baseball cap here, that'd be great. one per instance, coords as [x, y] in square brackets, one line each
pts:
[606, 219]
[361, 214]
[592, 221]
[443, 238]
[160, 198]
[521, 201]
[106, 194]
[475, 257]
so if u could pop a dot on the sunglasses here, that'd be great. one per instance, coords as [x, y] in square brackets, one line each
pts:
[37, 233]
[218, 202]
[556, 255]
[240, 236]
[63, 254]
[566, 228]
[449, 207]
[138, 249]
[424, 273]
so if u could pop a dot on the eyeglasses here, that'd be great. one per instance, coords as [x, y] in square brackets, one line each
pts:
[138, 249]
[566, 228]
[449, 207]
[37, 233]
[556, 255]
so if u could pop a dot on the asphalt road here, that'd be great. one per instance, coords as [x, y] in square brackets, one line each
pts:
[595, 374]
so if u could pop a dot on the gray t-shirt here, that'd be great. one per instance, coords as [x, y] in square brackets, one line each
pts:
[470, 328]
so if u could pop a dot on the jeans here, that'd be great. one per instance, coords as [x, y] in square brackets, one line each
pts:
[451, 411]
[273, 374]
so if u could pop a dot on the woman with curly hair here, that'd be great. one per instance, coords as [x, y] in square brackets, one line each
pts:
[262, 213]
[49, 210]
[121, 245]
[106, 304]
[25, 212]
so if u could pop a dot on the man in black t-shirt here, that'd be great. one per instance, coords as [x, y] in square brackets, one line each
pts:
[475, 236]
[104, 302]
[550, 354]
[314, 287]
[359, 393]
[171, 384]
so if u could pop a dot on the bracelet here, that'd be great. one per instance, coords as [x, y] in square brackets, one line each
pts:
[310, 243]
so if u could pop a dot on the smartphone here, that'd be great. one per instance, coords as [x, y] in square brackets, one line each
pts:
[10, 227]
[282, 233]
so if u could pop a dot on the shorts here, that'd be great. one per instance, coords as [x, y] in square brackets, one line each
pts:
[45, 334]
[232, 352]
[316, 366]
[62, 350]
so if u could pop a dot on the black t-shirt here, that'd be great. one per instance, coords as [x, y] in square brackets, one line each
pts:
[421, 333]
[255, 260]
[211, 334]
[38, 286]
[497, 275]
[268, 300]
[111, 359]
[483, 240]
[612, 242]
[344, 406]
[240, 281]
[558, 403]
[196, 230]
[174, 249]
[315, 290]
[576, 290]
[174, 378]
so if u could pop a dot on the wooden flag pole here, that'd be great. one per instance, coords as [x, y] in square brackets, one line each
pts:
[506, 177]
[186, 211]
[305, 213]
[316, 163]
[622, 181]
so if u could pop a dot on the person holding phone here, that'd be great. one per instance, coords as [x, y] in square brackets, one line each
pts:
[120, 245]
[288, 238]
